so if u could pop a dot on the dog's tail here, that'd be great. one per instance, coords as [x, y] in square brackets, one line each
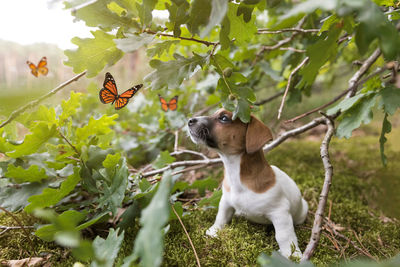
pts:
[302, 212]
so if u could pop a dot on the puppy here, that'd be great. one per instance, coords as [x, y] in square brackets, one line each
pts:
[251, 187]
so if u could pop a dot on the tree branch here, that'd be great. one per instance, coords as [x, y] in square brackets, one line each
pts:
[35, 102]
[289, 83]
[316, 230]
[269, 99]
[298, 30]
[207, 43]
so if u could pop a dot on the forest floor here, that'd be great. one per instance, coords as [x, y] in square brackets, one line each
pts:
[362, 208]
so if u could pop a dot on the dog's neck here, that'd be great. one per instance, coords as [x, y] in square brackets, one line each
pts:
[250, 171]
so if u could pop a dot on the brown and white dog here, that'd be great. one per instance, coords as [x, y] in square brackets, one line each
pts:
[251, 187]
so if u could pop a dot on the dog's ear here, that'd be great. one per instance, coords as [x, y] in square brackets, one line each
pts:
[257, 135]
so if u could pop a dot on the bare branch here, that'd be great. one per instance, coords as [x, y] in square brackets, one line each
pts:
[35, 102]
[294, 132]
[292, 49]
[289, 83]
[316, 230]
[185, 151]
[299, 30]
[353, 82]
[176, 141]
[188, 236]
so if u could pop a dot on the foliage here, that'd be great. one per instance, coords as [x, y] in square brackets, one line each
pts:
[74, 164]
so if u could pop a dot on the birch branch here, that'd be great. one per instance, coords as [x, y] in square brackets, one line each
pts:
[316, 230]
[35, 102]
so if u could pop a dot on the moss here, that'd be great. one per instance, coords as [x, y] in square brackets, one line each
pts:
[360, 197]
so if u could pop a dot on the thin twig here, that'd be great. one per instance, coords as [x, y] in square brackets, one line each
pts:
[69, 143]
[269, 99]
[289, 83]
[267, 31]
[186, 151]
[187, 234]
[35, 102]
[6, 228]
[207, 43]
[176, 141]
[316, 230]
[21, 225]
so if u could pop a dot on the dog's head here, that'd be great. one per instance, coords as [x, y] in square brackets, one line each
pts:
[228, 136]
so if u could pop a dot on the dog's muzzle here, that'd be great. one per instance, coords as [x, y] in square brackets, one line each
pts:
[200, 131]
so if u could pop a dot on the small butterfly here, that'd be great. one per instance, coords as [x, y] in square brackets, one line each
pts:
[109, 93]
[171, 105]
[40, 68]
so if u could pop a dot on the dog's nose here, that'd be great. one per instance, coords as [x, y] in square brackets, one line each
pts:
[192, 121]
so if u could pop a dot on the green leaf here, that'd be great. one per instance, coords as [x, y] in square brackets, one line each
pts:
[178, 208]
[51, 196]
[133, 42]
[106, 250]
[69, 107]
[277, 260]
[199, 15]
[346, 103]
[21, 175]
[224, 33]
[114, 194]
[319, 53]
[208, 183]
[41, 133]
[386, 128]
[159, 48]
[99, 15]
[178, 15]
[241, 31]
[14, 199]
[111, 160]
[145, 10]
[97, 127]
[173, 72]
[242, 111]
[390, 99]
[149, 243]
[212, 201]
[162, 160]
[359, 113]
[93, 54]
[218, 11]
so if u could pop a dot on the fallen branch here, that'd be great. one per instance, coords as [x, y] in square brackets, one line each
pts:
[316, 230]
[289, 82]
[35, 102]
[188, 236]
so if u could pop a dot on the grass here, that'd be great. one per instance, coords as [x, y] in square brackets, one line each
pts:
[362, 202]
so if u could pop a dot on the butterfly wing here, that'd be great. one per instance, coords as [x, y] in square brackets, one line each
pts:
[109, 83]
[123, 99]
[121, 102]
[131, 92]
[106, 96]
[33, 68]
[42, 66]
[173, 103]
[164, 104]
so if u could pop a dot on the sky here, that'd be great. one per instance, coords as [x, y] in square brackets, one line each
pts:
[33, 21]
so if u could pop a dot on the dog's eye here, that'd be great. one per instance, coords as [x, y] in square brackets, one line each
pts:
[224, 118]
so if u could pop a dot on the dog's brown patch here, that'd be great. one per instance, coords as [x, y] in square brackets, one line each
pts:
[255, 173]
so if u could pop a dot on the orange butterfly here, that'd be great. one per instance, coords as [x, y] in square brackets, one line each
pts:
[40, 68]
[171, 105]
[109, 93]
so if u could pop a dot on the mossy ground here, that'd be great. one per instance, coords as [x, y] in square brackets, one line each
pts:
[363, 200]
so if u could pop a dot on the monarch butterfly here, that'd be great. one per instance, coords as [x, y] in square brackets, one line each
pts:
[171, 105]
[40, 68]
[109, 93]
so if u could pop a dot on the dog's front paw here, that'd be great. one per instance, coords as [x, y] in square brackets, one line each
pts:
[212, 231]
[288, 253]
